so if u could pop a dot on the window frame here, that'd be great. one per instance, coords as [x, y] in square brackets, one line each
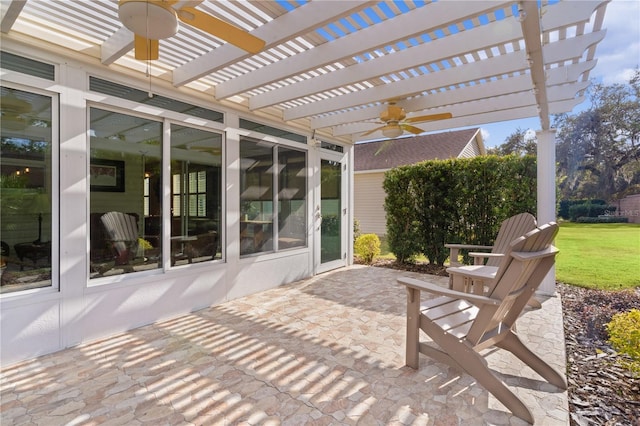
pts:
[40, 89]
[276, 144]
[166, 118]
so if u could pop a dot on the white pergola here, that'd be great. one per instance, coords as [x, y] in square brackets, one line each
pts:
[330, 67]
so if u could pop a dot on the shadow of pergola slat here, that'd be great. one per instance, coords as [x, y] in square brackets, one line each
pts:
[297, 354]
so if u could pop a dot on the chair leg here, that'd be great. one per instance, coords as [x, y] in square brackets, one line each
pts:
[534, 303]
[513, 344]
[413, 328]
[474, 365]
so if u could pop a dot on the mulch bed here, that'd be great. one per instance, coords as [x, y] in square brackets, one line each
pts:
[601, 391]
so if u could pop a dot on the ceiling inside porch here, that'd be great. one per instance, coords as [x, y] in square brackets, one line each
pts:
[332, 66]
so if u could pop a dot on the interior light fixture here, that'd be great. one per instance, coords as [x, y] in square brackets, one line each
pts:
[392, 131]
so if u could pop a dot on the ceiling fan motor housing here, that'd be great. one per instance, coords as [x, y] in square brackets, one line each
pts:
[393, 113]
[154, 20]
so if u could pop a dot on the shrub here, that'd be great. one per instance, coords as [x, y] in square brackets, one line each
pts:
[402, 224]
[565, 205]
[367, 247]
[624, 336]
[435, 202]
[589, 210]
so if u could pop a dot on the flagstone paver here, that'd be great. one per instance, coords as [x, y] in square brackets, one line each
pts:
[328, 350]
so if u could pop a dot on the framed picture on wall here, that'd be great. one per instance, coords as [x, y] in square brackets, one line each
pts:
[106, 175]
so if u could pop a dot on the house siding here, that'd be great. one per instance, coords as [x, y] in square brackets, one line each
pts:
[369, 203]
[471, 150]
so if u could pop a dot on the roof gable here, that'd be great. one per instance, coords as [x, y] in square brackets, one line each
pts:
[404, 151]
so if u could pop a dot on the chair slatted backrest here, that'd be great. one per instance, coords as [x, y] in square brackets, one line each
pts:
[517, 279]
[510, 229]
[121, 228]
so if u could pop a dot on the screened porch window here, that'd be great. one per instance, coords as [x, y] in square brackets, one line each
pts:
[125, 200]
[26, 190]
[273, 187]
[196, 195]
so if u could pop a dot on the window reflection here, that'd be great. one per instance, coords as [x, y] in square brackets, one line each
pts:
[25, 190]
[256, 197]
[125, 177]
[260, 182]
[196, 195]
[292, 196]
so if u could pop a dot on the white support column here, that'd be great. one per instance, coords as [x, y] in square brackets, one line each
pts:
[547, 193]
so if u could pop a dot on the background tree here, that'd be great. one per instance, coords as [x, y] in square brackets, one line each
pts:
[521, 142]
[598, 149]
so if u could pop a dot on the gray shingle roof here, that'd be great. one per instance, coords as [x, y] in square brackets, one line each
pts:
[411, 150]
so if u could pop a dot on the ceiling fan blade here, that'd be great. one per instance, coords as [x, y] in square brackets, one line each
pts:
[209, 149]
[221, 29]
[146, 49]
[373, 131]
[411, 129]
[385, 145]
[432, 117]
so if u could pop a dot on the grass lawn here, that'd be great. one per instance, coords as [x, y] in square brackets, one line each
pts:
[603, 256]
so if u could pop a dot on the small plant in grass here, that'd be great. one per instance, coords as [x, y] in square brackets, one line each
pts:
[624, 336]
[367, 247]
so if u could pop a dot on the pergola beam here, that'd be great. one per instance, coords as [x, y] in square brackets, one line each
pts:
[9, 12]
[116, 46]
[455, 45]
[367, 39]
[290, 25]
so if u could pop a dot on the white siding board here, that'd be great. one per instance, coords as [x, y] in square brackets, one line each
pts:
[369, 203]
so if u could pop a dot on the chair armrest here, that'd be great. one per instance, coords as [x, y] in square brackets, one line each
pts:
[485, 255]
[442, 291]
[467, 246]
[527, 255]
[478, 272]
[454, 249]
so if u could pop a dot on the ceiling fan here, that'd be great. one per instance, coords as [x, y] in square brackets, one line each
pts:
[396, 123]
[154, 20]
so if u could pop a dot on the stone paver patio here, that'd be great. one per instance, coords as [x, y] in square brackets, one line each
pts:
[324, 351]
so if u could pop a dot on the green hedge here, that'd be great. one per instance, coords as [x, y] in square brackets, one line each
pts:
[436, 202]
[565, 205]
[590, 210]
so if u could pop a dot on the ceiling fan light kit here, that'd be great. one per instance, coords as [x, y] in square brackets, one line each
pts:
[392, 131]
[153, 20]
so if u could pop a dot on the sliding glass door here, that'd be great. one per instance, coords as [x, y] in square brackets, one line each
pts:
[330, 214]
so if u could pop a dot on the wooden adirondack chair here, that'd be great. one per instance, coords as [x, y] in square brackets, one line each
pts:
[510, 229]
[462, 324]
[122, 230]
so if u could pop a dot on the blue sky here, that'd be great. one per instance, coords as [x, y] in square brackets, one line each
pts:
[618, 55]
